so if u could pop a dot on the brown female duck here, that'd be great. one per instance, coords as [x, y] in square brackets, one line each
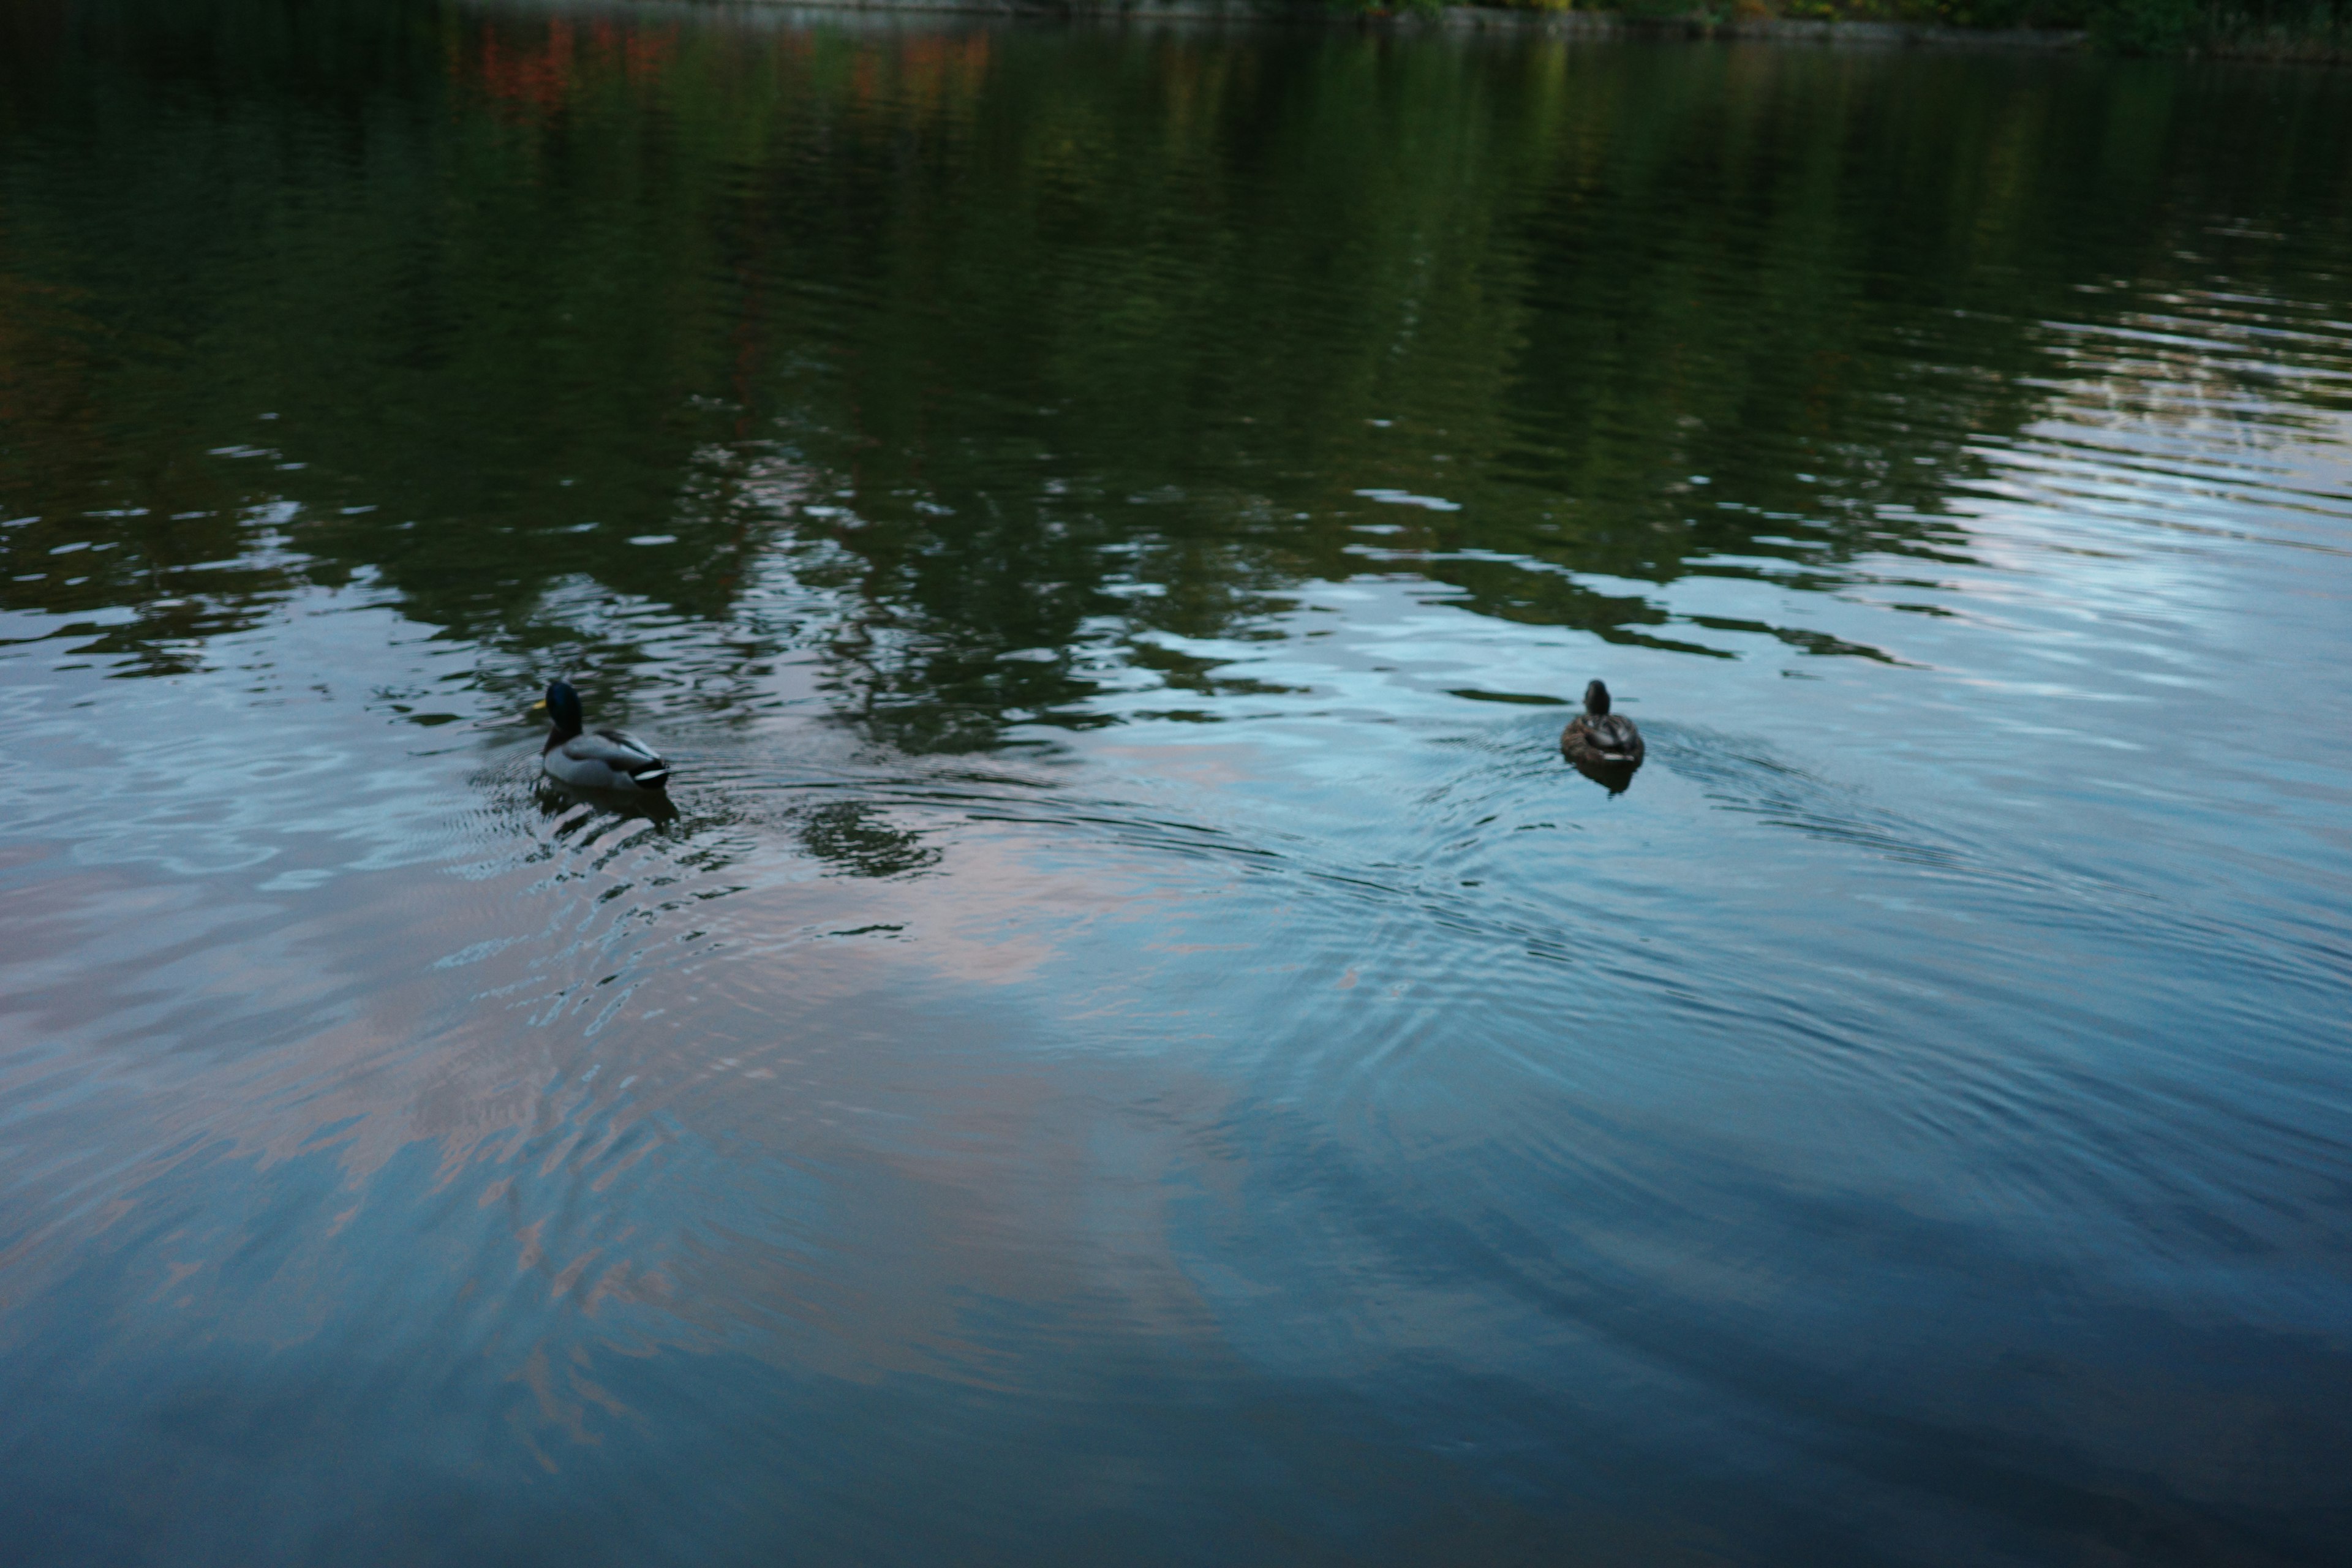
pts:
[1600, 739]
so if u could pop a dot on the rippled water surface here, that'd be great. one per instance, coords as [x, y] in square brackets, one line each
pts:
[1130, 1044]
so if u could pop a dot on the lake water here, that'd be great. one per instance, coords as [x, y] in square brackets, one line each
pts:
[1131, 1046]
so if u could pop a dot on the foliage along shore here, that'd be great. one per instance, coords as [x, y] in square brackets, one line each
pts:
[2310, 30]
[2317, 30]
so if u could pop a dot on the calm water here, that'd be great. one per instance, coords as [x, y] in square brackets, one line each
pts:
[1131, 1046]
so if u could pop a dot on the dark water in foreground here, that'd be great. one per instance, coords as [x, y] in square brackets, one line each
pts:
[1132, 1047]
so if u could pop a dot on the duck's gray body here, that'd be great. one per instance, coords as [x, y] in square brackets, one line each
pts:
[1600, 738]
[597, 759]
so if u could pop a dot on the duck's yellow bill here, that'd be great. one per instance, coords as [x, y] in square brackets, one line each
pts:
[538, 707]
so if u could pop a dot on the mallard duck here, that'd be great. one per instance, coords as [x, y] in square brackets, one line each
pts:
[1600, 738]
[604, 759]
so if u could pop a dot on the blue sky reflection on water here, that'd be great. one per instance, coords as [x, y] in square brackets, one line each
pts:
[1131, 1043]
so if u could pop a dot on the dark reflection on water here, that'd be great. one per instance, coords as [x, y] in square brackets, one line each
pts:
[1129, 1043]
[1614, 777]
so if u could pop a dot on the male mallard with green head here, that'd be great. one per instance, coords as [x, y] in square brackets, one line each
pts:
[601, 759]
[1601, 738]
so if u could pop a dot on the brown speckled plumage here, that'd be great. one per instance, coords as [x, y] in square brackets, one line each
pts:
[1600, 738]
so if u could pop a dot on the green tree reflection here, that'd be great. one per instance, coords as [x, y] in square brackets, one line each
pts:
[662, 345]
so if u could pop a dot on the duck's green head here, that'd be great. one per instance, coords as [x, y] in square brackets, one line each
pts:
[1596, 699]
[563, 705]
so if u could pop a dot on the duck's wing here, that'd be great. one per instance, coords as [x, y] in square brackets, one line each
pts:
[620, 743]
[1607, 737]
[608, 759]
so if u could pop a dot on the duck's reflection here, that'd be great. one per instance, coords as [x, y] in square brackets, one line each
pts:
[555, 799]
[1614, 777]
